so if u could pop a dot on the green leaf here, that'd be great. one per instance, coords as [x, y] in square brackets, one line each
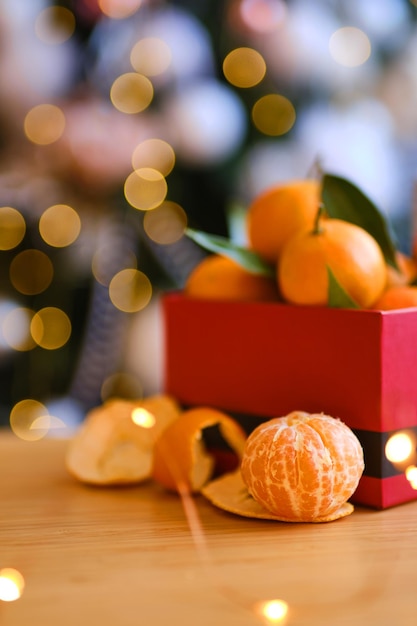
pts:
[343, 200]
[337, 296]
[251, 261]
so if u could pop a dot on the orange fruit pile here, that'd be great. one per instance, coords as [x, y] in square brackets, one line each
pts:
[303, 467]
[287, 227]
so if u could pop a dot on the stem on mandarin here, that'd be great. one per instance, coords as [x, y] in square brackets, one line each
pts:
[317, 229]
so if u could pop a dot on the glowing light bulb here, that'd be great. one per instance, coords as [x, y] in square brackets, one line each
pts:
[399, 447]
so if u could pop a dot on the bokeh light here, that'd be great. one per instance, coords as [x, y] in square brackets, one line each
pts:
[273, 115]
[273, 611]
[44, 124]
[31, 272]
[50, 328]
[130, 290]
[54, 25]
[166, 224]
[145, 188]
[262, 16]
[119, 9]
[244, 67]
[12, 584]
[22, 417]
[156, 154]
[399, 447]
[142, 417]
[151, 56]
[131, 93]
[12, 227]
[350, 46]
[59, 225]
[103, 263]
[411, 475]
[15, 328]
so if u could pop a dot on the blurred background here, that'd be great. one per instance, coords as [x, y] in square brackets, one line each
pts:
[124, 121]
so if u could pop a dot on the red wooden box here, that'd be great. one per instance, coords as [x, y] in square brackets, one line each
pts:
[261, 360]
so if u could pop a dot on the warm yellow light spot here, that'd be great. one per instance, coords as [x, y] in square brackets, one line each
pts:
[121, 385]
[244, 67]
[130, 290]
[142, 417]
[23, 415]
[11, 584]
[399, 447]
[273, 115]
[59, 225]
[156, 154]
[411, 475]
[131, 93]
[50, 328]
[31, 272]
[119, 9]
[274, 611]
[151, 56]
[12, 227]
[350, 46]
[15, 328]
[166, 224]
[44, 124]
[55, 25]
[145, 188]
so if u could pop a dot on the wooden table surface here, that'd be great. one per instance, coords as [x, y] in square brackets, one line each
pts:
[141, 557]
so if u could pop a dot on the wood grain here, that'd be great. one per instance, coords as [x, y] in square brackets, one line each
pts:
[138, 556]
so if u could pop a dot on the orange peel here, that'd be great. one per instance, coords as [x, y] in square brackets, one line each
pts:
[230, 494]
[182, 462]
[114, 445]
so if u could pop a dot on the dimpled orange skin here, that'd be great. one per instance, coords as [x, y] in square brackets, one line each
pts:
[277, 213]
[218, 277]
[302, 467]
[351, 253]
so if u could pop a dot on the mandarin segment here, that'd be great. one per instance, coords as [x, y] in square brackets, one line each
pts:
[218, 277]
[114, 444]
[302, 467]
[278, 213]
[181, 461]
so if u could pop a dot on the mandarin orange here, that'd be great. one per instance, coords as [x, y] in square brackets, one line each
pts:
[397, 297]
[406, 272]
[278, 213]
[349, 251]
[218, 277]
[302, 467]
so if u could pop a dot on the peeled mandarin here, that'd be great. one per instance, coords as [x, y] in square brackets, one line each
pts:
[302, 467]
